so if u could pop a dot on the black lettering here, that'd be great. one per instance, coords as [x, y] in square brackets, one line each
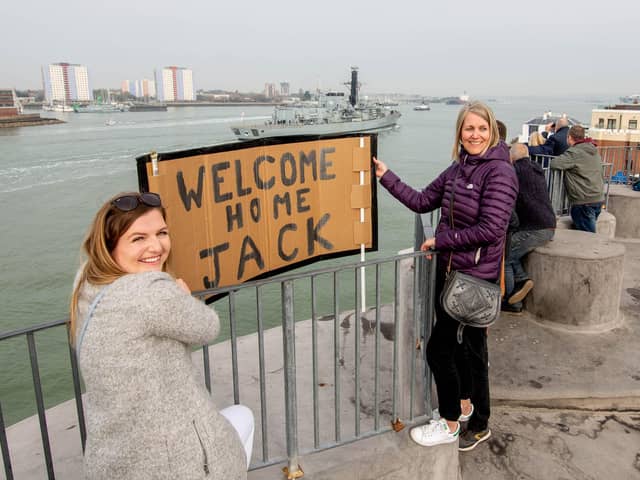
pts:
[191, 195]
[288, 158]
[253, 254]
[213, 252]
[285, 199]
[301, 200]
[325, 164]
[239, 188]
[261, 184]
[308, 160]
[217, 180]
[231, 217]
[254, 209]
[281, 252]
[313, 236]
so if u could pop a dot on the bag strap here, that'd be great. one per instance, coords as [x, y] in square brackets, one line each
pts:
[453, 196]
[503, 283]
[93, 306]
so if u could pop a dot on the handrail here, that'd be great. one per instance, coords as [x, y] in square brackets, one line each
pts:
[407, 367]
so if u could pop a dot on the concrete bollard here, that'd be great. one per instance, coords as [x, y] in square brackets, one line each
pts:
[624, 203]
[577, 282]
[605, 226]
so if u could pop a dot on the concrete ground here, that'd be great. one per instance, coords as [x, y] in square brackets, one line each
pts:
[565, 405]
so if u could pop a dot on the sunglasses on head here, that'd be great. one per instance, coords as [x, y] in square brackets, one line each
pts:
[126, 203]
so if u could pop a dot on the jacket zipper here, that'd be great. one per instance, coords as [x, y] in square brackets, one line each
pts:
[204, 450]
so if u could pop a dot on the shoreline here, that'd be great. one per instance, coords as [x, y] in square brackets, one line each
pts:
[30, 120]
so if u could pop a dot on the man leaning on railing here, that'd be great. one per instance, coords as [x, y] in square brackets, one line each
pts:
[583, 178]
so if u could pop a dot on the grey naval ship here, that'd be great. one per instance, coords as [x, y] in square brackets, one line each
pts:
[333, 113]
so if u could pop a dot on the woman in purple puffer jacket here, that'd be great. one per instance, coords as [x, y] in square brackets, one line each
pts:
[486, 188]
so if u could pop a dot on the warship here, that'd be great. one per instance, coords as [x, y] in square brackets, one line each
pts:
[333, 113]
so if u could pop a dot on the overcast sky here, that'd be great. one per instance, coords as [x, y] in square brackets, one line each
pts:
[409, 46]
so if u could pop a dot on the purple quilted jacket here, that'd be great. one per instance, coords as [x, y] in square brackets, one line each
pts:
[486, 188]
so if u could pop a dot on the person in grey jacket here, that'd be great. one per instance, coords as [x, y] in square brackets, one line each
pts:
[148, 414]
[479, 189]
[583, 179]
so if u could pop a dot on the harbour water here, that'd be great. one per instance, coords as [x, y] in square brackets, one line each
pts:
[53, 178]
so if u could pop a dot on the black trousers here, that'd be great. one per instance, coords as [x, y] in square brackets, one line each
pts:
[460, 370]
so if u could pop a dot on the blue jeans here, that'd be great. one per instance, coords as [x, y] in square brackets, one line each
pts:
[522, 242]
[584, 216]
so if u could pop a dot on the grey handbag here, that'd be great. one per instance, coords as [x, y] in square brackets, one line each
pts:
[472, 301]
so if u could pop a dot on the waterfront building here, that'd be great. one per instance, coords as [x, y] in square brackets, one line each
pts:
[284, 89]
[616, 129]
[616, 125]
[144, 88]
[9, 105]
[175, 84]
[270, 90]
[65, 83]
[538, 124]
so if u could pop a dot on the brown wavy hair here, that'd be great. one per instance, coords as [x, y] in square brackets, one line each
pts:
[484, 112]
[109, 224]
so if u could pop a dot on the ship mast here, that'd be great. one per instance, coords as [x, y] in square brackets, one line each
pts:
[353, 97]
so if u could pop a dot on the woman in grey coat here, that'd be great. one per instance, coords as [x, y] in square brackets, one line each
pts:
[148, 413]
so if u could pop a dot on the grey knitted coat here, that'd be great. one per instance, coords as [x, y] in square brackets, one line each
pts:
[148, 413]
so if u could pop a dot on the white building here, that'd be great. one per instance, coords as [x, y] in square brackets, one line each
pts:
[144, 88]
[270, 90]
[66, 82]
[175, 84]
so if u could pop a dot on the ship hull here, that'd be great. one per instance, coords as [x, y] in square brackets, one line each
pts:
[251, 132]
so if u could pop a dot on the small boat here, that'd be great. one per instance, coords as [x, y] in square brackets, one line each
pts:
[333, 113]
[99, 108]
[110, 123]
[57, 107]
[147, 107]
[423, 107]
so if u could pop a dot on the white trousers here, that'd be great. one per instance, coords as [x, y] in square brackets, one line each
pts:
[242, 420]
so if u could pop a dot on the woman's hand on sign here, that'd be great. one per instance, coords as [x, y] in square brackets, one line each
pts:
[428, 244]
[381, 167]
[183, 285]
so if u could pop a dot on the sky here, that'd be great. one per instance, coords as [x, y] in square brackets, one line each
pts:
[443, 48]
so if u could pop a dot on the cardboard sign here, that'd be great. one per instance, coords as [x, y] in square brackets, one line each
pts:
[248, 210]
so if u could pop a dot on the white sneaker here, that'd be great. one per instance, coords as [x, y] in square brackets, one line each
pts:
[462, 418]
[434, 433]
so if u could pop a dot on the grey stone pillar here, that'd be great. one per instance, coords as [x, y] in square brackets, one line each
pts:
[577, 282]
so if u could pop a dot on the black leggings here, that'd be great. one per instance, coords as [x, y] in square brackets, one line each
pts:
[460, 370]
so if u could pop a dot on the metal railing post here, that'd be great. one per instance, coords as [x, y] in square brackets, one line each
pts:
[234, 347]
[207, 368]
[37, 386]
[289, 350]
[263, 375]
[77, 391]
[4, 446]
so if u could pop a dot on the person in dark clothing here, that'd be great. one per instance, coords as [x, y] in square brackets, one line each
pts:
[479, 188]
[535, 225]
[556, 144]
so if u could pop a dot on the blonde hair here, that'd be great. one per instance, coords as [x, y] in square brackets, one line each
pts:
[484, 112]
[536, 139]
[109, 224]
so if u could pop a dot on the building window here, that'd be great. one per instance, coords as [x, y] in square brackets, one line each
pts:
[601, 123]
[633, 124]
[611, 124]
